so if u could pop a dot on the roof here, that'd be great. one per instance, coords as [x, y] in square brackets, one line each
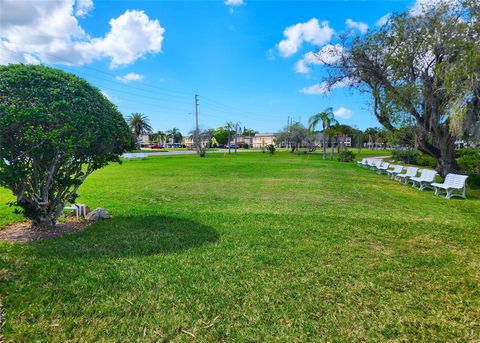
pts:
[267, 134]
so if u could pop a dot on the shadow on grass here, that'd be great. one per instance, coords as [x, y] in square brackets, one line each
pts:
[128, 237]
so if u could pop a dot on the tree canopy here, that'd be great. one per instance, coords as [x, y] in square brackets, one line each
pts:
[55, 130]
[423, 67]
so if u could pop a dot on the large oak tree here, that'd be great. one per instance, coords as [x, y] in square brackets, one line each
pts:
[423, 66]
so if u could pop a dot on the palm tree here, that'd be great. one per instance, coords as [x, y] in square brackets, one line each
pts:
[328, 119]
[333, 133]
[229, 127]
[175, 134]
[139, 124]
[160, 137]
[372, 133]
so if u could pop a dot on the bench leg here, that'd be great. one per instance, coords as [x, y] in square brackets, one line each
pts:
[449, 194]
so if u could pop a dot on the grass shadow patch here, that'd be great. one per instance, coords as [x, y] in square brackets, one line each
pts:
[128, 236]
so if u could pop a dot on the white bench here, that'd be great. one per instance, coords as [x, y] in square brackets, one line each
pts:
[393, 172]
[453, 182]
[362, 163]
[80, 210]
[134, 155]
[375, 164]
[405, 178]
[425, 179]
[383, 168]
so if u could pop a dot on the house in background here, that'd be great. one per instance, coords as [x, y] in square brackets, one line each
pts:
[244, 140]
[263, 139]
[144, 140]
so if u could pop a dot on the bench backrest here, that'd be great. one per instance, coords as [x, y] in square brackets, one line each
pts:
[397, 169]
[385, 165]
[455, 180]
[377, 163]
[428, 175]
[411, 171]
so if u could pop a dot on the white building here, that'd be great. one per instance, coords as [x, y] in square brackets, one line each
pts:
[261, 140]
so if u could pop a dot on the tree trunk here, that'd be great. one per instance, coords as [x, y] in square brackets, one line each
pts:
[324, 146]
[332, 150]
[43, 222]
[446, 162]
[443, 150]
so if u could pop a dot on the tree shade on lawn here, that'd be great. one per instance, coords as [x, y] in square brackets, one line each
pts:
[249, 247]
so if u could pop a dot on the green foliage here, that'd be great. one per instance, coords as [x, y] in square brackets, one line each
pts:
[406, 155]
[139, 123]
[411, 156]
[469, 162]
[468, 151]
[346, 156]
[294, 134]
[421, 69]
[425, 160]
[175, 135]
[403, 136]
[56, 129]
[271, 149]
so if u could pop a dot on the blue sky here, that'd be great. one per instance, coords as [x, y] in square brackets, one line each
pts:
[228, 54]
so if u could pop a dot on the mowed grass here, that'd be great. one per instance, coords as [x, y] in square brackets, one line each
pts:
[250, 247]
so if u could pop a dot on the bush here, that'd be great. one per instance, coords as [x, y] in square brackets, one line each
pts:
[469, 162]
[245, 146]
[346, 156]
[425, 160]
[56, 129]
[463, 152]
[410, 156]
[406, 156]
[271, 149]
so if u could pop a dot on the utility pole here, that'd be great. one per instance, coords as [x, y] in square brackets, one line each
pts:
[196, 113]
[237, 124]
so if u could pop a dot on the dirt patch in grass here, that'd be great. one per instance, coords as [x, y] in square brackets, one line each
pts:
[23, 233]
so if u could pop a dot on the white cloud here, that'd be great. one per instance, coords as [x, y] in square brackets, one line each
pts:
[301, 67]
[234, 2]
[49, 31]
[343, 113]
[383, 20]
[316, 89]
[324, 89]
[311, 32]
[422, 6]
[132, 35]
[9, 55]
[357, 25]
[326, 55]
[83, 7]
[130, 77]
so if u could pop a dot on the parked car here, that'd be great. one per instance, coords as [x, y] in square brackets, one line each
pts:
[156, 146]
[174, 145]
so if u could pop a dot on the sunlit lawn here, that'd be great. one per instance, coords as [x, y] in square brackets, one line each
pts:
[250, 247]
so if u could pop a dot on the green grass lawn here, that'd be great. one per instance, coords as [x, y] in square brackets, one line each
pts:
[250, 247]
